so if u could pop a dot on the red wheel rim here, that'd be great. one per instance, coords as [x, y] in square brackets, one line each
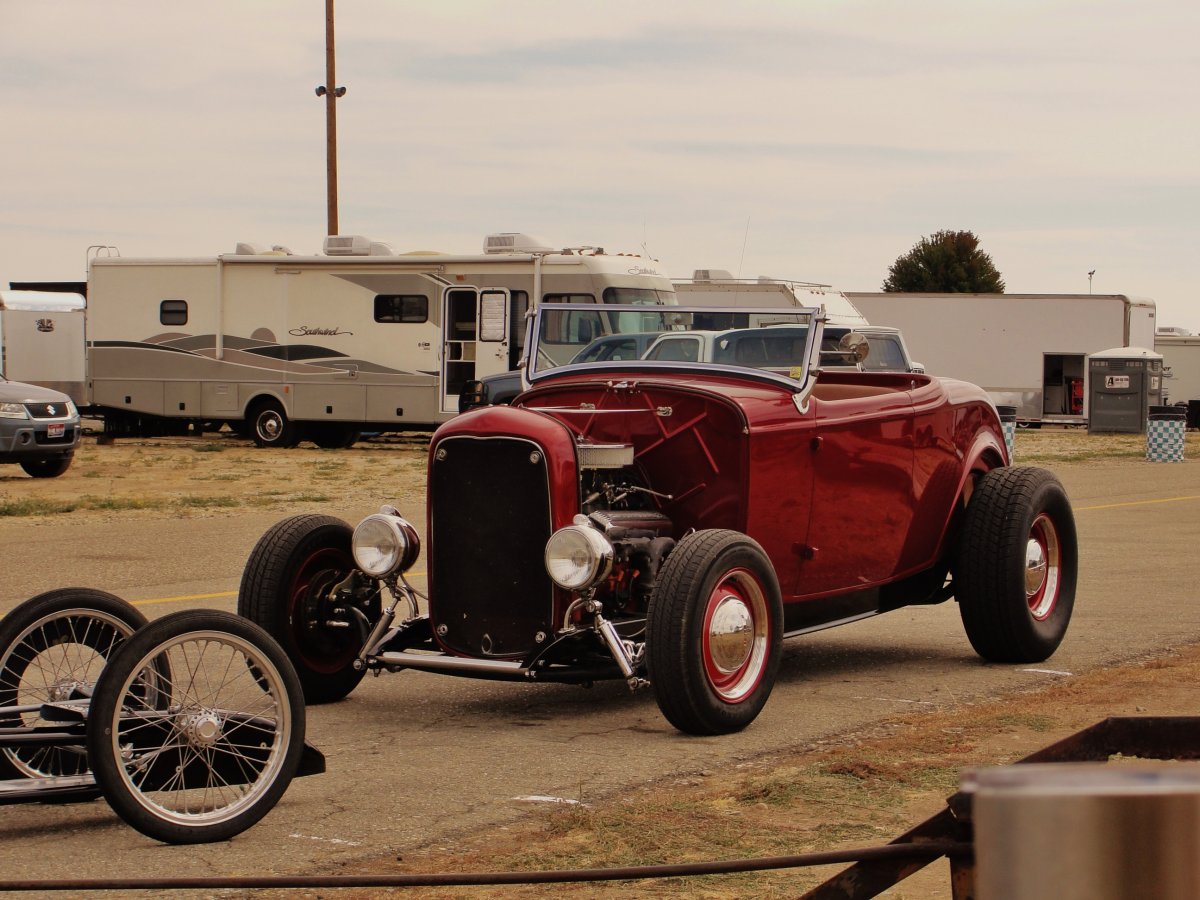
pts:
[1043, 564]
[736, 635]
[324, 649]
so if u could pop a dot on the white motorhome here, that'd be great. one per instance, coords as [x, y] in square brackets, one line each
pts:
[1026, 350]
[323, 347]
[42, 340]
[1181, 359]
[717, 287]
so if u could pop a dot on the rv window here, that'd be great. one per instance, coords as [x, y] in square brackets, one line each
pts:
[636, 296]
[173, 312]
[568, 298]
[401, 308]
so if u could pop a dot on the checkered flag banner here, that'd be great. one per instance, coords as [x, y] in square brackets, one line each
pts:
[1010, 435]
[1165, 439]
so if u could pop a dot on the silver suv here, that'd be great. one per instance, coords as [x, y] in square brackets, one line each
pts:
[39, 428]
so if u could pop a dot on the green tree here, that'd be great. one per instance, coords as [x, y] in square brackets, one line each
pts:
[947, 261]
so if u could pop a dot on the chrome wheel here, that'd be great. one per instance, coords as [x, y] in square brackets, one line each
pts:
[204, 751]
[52, 650]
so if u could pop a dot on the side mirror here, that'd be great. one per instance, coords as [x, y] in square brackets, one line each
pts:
[855, 345]
[473, 394]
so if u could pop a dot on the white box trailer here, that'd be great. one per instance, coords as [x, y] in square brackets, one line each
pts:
[324, 347]
[1026, 350]
[1181, 360]
[42, 340]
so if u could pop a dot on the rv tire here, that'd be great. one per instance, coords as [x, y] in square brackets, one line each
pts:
[269, 426]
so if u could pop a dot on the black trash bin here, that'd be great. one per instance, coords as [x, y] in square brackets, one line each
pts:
[1193, 414]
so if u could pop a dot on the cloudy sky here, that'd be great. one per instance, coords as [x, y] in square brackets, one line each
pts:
[809, 139]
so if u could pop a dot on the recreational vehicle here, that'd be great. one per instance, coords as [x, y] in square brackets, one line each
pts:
[1026, 350]
[288, 347]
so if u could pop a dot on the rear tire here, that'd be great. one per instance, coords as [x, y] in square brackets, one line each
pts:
[714, 633]
[1016, 565]
[285, 589]
[46, 468]
[54, 647]
[204, 754]
[333, 435]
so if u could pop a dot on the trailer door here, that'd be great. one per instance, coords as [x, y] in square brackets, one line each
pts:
[474, 338]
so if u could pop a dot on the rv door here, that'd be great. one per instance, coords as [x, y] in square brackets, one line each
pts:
[474, 338]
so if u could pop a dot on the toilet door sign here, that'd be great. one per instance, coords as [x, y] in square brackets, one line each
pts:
[1116, 381]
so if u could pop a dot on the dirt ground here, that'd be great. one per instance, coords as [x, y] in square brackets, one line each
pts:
[856, 790]
[853, 790]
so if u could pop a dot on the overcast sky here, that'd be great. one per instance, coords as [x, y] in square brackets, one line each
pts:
[808, 139]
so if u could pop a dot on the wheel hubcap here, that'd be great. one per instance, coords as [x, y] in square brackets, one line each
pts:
[269, 426]
[731, 633]
[1043, 559]
[736, 636]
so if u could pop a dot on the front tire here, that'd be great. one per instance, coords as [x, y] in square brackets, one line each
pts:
[286, 589]
[53, 647]
[219, 744]
[1016, 565]
[714, 633]
[269, 426]
[46, 468]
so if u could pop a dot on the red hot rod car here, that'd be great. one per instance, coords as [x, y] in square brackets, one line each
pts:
[672, 522]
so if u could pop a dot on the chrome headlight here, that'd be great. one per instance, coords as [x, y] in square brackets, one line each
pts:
[385, 543]
[13, 411]
[578, 557]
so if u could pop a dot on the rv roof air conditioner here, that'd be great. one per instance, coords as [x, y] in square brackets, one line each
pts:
[712, 275]
[245, 248]
[355, 245]
[514, 242]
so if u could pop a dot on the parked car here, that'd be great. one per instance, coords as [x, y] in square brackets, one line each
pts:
[671, 522]
[39, 428]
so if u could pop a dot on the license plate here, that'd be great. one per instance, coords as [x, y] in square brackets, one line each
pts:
[56, 430]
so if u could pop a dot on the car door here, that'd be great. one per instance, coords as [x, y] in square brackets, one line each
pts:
[863, 497]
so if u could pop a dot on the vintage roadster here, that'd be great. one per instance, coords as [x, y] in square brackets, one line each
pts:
[672, 522]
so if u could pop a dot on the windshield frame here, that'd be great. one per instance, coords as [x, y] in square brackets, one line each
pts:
[801, 385]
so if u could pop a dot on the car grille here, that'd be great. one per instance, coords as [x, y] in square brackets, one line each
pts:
[58, 410]
[490, 520]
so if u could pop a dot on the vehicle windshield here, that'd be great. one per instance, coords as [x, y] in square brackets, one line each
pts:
[770, 340]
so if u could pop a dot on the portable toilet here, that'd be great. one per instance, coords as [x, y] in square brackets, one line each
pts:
[1123, 383]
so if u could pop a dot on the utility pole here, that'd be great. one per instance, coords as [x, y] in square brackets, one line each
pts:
[331, 95]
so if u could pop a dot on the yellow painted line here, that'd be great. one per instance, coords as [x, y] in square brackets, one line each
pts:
[1137, 503]
[184, 598]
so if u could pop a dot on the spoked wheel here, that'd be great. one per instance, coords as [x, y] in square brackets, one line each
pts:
[288, 587]
[714, 633]
[53, 648]
[203, 753]
[1016, 565]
